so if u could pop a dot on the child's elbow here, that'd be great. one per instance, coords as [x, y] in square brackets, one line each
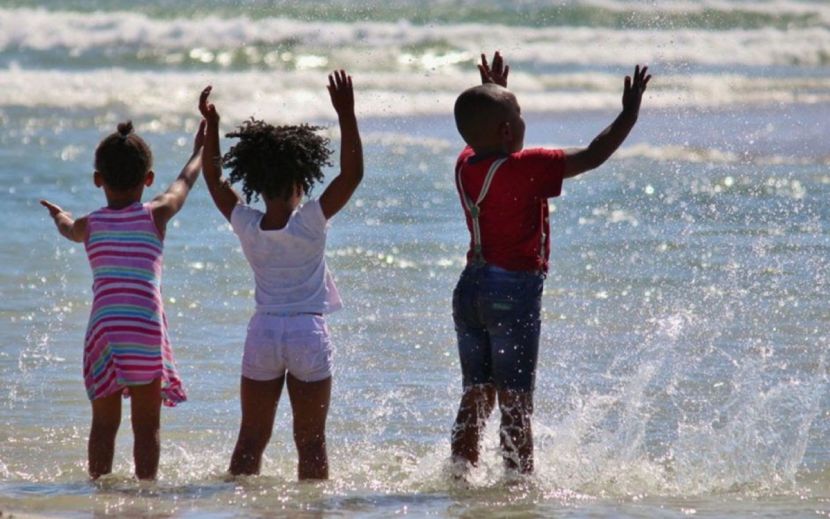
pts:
[356, 174]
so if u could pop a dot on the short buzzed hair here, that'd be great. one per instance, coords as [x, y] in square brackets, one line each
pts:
[477, 109]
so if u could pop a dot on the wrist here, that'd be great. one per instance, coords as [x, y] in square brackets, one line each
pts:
[630, 113]
[346, 114]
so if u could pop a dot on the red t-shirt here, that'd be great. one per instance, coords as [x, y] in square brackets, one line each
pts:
[514, 213]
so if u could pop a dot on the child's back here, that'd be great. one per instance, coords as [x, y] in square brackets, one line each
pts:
[513, 215]
[289, 263]
[126, 340]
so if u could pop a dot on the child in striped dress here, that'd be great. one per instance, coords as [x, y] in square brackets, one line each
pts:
[126, 350]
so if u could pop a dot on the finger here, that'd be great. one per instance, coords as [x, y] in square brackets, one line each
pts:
[204, 96]
[646, 80]
[342, 77]
[643, 72]
[627, 83]
[349, 82]
[636, 71]
[506, 72]
[498, 63]
[332, 87]
[53, 209]
[483, 73]
[484, 62]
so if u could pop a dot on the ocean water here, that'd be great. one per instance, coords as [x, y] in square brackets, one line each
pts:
[683, 368]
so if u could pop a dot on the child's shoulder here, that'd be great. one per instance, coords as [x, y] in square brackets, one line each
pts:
[528, 157]
[538, 153]
[243, 216]
[311, 214]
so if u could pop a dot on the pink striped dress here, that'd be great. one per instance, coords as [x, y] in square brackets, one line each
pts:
[126, 339]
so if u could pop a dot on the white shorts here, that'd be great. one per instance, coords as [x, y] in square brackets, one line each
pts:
[298, 344]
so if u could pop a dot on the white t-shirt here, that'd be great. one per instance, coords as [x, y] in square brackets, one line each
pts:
[289, 264]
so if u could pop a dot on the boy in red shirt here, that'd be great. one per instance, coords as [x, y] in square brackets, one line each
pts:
[497, 302]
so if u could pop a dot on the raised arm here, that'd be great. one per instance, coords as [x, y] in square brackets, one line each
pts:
[580, 160]
[69, 228]
[224, 196]
[167, 204]
[335, 197]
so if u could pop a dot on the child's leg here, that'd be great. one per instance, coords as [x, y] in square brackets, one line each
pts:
[259, 406]
[477, 403]
[512, 308]
[146, 417]
[474, 353]
[310, 407]
[515, 433]
[106, 417]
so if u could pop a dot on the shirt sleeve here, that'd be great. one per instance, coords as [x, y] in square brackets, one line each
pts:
[241, 218]
[465, 154]
[312, 217]
[546, 166]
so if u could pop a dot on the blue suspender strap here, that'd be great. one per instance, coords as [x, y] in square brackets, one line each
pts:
[474, 208]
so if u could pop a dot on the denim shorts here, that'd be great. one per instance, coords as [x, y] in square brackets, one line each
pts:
[497, 321]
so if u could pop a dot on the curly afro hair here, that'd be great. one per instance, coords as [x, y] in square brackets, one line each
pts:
[271, 160]
[123, 158]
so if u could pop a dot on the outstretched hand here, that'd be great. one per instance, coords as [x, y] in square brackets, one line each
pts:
[54, 210]
[633, 89]
[207, 110]
[341, 92]
[497, 74]
[68, 227]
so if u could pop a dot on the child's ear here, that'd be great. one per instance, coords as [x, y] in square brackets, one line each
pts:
[148, 180]
[98, 179]
[506, 132]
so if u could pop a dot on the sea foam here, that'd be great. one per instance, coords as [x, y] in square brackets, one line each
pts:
[239, 40]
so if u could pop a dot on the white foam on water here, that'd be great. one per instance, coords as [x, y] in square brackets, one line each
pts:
[771, 7]
[167, 97]
[214, 39]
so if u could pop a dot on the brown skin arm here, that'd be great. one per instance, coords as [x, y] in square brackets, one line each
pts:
[580, 160]
[338, 193]
[224, 196]
[69, 228]
[167, 204]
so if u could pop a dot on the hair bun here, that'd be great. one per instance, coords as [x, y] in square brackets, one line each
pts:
[125, 129]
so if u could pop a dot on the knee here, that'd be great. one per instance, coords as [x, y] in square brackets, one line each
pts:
[146, 433]
[253, 439]
[310, 442]
[480, 398]
[105, 427]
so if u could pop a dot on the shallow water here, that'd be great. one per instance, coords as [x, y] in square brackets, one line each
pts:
[683, 368]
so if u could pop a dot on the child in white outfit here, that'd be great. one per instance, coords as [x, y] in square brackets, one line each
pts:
[293, 290]
[288, 341]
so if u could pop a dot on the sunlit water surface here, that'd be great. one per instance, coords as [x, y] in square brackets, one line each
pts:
[683, 368]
